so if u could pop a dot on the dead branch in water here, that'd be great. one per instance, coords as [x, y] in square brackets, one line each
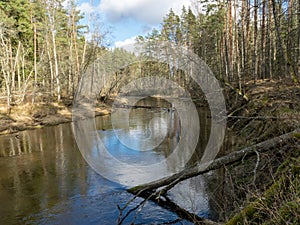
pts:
[156, 190]
[228, 159]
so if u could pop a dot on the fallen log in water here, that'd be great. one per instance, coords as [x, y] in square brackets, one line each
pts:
[168, 204]
[215, 164]
[156, 190]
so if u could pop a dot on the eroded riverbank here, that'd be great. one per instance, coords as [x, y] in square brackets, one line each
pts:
[28, 116]
[265, 188]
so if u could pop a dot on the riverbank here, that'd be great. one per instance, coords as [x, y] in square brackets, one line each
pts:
[265, 188]
[272, 108]
[270, 105]
[33, 116]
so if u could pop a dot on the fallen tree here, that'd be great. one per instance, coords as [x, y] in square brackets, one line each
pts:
[156, 190]
[166, 203]
[228, 159]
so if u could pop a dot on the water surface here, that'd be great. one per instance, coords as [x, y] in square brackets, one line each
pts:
[45, 180]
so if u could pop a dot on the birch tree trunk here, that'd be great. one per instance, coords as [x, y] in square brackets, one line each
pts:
[34, 60]
[56, 71]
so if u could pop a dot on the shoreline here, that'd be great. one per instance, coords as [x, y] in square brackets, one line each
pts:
[29, 117]
[266, 99]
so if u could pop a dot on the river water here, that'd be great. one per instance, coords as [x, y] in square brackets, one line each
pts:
[45, 180]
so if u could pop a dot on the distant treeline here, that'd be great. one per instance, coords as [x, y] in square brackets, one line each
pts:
[44, 49]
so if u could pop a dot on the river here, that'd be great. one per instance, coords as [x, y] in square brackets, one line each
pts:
[45, 180]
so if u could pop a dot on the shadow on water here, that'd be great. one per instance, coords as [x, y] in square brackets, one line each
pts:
[45, 180]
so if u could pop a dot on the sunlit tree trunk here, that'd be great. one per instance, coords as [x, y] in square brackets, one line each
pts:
[263, 42]
[74, 37]
[236, 42]
[230, 40]
[56, 72]
[34, 60]
[254, 57]
[247, 39]
[50, 66]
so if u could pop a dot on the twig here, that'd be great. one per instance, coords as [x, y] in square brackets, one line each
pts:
[120, 218]
[259, 117]
[256, 166]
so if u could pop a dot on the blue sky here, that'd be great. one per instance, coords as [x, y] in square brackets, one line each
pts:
[127, 19]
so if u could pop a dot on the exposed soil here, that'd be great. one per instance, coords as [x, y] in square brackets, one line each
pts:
[29, 116]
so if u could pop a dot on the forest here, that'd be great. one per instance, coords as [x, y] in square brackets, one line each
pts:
[252, 48]
[45, 47]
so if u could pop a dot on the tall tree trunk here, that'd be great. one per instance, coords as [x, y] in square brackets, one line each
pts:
[281, 43]
[254, 57]
[290, 42]
[51, 13]
[55, 62]
[271, 46]
[50, 67]
[34, 60]
[263, 42]
[70, 72]
[74, 37]
[243, 41]
[236, 51]
[247, 40]
[230, 40]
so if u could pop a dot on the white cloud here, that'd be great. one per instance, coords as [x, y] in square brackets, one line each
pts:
[130, 45]
[147, 11]
[131, 17]
[126, 42]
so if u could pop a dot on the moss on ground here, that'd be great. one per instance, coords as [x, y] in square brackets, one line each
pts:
[280, 203]
[274, 198]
